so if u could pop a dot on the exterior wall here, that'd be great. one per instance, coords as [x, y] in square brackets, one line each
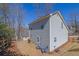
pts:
[42, 33]
[53, 35]
[58, 34]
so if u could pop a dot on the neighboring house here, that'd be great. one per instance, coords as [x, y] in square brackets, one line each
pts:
[49, 32]
[24, 33]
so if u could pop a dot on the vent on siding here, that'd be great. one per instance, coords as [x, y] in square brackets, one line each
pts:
[38, 39]
[55, 39]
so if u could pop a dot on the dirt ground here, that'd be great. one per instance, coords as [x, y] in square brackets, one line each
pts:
[13, 50]
[29, 49]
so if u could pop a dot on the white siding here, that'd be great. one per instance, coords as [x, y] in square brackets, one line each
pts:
[57, 31]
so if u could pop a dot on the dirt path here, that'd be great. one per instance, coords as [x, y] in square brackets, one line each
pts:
[28, 48]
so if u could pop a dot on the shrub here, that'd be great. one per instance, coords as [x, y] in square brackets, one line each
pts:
[6, 35]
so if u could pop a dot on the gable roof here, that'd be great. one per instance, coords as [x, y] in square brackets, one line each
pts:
[40, 19]
[62, 20]
[45, 17]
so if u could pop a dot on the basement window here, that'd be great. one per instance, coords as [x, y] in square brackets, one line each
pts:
[31, 28]
[42, 26]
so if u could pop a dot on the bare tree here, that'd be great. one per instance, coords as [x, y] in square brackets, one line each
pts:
[13, 17]
[48, 7]
[19, 20]
[74, 23]
[37, 9]
[43, 9]
[5, 11]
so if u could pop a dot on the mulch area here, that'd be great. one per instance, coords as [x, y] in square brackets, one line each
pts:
[12, 50]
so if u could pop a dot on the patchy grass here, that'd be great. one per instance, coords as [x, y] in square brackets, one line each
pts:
[74, 47]
[75, 50]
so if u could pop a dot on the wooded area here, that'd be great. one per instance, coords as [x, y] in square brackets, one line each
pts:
[11, 24]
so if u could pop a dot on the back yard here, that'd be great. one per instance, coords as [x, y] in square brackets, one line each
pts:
[29, 49]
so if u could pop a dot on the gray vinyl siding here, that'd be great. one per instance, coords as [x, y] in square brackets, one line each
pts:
[42, 33]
